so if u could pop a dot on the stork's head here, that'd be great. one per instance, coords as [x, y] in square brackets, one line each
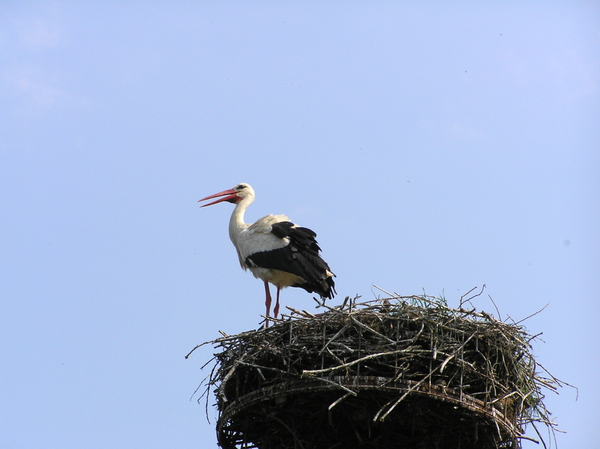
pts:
[235, 195]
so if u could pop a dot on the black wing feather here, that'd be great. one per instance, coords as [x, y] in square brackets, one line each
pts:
[299, 257]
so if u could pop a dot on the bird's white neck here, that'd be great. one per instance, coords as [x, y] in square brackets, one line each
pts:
[236, 222]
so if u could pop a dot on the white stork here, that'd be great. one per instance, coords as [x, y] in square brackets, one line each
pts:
[275, 250]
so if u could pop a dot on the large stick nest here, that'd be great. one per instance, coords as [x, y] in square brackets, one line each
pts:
[404, 372]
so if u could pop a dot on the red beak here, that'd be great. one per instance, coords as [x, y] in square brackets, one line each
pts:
[228, 195]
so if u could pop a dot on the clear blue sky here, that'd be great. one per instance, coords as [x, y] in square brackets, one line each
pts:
[433, 146]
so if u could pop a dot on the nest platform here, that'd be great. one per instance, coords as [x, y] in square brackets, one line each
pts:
[404, 372]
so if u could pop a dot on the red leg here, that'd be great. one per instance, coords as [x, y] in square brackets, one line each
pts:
[276, 309]
[268, 299]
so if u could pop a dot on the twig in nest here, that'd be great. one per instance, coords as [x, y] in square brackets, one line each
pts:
[463, 301]
[532, 315]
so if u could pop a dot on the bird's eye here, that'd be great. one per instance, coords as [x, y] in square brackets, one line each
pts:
[240, 187]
